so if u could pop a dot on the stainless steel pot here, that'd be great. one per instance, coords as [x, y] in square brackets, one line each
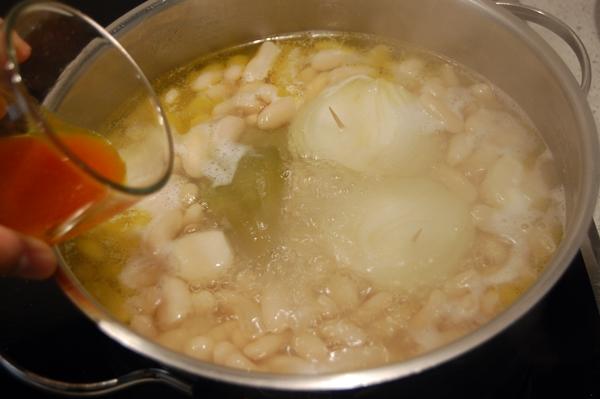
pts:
[484, 36]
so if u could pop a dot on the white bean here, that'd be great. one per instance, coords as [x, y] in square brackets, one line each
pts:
[234, 72]
[310, 347]
[288, 71]
[504, 176]
[434, 86]
[194, 214]
[204, 302]
[222, 351]
[201, 256]
[147, 299]
[462, 283]
[373, 307]
[223, 331]
[327, 306]
[200, 347]
[277, 114]
[235, 68]
[196, 154]
[142, 324]
[455, 182]
[260, 65]
[267, 93]
[229, 128]
[464, 308]
[251, 87]
[385, 328]
[226, 107]
[343, 332]
[482, 91]
[209, 76]
[437, 108]
[265, 346]
[247, 311]
[247, 102]
[163, 230]
[306, 314]
[408, 69]
[461, 146]
[239, 361]
[478, 163]
[430, 313]
[290, 364]
[494, 251]
[239, 338]
[138, 273]
[344, 292]
[329, 59]
[219, 91]
[175, 304]
[276, 309]
[503, 130]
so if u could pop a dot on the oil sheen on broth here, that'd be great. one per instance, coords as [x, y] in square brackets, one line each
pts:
[337, 203]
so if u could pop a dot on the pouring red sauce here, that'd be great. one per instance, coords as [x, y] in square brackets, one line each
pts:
[40, 187]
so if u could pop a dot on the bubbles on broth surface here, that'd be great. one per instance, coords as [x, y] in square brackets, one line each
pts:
[338, 203]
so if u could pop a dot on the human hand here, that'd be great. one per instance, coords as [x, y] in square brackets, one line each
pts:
[19, 255]
[26, 257]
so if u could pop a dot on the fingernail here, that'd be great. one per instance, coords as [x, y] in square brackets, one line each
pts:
[37, 262]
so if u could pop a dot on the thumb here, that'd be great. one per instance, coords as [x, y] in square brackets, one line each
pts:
[24, 256]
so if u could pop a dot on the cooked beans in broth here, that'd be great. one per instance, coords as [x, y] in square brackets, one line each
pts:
[337, 203]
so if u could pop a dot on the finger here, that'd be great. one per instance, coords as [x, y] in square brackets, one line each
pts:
[38, 261]
[11, 249]
[22, 48]
[24, 256]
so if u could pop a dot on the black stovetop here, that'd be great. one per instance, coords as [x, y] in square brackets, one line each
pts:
[554, 351]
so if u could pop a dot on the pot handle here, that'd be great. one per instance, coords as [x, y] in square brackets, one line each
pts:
[564, 31]
[99, 387]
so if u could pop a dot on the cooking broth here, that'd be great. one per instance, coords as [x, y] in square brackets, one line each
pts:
[338, 203]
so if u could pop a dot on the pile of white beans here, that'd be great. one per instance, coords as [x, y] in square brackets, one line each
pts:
[306, 306]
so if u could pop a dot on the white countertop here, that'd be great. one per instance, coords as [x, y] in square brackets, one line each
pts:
[584, 17]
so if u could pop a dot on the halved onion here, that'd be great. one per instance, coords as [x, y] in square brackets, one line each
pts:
[406, 233]
[368, 125]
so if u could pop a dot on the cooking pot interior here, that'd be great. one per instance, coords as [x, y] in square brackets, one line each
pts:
[163, 35]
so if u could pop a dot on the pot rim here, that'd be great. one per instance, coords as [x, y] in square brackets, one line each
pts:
[365, 377]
